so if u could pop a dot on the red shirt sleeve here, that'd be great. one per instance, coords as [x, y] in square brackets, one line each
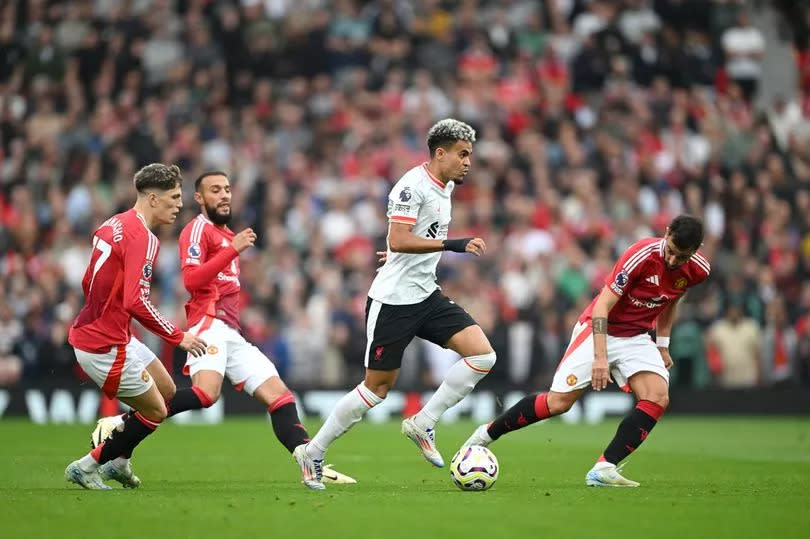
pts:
[139, 256]
[197, 271]
[629, 265]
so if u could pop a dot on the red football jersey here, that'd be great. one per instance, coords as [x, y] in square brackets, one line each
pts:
[116, 287]
[210, 272]
[645, 286]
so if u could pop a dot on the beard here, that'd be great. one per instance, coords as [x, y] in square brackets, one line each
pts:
[216, 217]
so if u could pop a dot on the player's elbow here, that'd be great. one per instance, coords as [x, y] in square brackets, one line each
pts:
[396, 243]
[190, 282]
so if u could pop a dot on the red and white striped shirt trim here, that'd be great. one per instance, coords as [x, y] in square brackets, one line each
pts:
[152, 248]
[167, 326]
[701, 261]
[197, 229]
[639, 257]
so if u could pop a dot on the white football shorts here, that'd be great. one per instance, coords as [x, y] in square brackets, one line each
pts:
[121, 372]
[626, 357]
[230, 355]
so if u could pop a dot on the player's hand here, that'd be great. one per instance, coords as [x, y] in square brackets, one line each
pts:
[382, 257]
[600, 375]
[477, 246]
[666, 357]
[243, 240]
[193, 345]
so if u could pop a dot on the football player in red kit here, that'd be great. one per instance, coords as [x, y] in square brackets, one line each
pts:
[116, 286]
[612, 338]
[209, 256]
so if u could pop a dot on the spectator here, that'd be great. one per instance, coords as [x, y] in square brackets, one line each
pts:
[736, 341]
[778, 346]
[597, 121]
[744, 47]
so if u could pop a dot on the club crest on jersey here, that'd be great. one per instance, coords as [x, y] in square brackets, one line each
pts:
[571, 380]
[144, 376]
[405, 194]
[680, 283]
[212, 350]
[147, 271]
[194, 250]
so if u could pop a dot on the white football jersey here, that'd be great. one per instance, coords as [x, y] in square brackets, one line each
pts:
[417, 199]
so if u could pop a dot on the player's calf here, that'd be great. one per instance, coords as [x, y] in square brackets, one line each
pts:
[286, 425]
[632, 431]
[189, 398]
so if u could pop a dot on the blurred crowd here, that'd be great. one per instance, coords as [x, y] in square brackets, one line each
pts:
[598, 121]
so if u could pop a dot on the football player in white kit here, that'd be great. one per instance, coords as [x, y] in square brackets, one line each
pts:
[405, 301]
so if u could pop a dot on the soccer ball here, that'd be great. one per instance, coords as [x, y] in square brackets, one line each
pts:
[474, 468]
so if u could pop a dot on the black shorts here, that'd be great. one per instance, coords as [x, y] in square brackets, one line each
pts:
[390, 328]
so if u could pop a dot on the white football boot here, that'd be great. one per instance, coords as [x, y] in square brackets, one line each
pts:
[104, 428]
[480, 436]
[333, 476]
[88, 480]
[122, 474]
[425, 440]
[605, 474]
[311, 469]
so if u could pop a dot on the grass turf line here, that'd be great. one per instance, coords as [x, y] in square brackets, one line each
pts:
[701, 477]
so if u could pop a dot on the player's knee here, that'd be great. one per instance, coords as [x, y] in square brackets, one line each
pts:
[213, 397]
[380, 389]
[559, 403]
[661, 399]
[483, 362]
[157, 412]
[208, 395]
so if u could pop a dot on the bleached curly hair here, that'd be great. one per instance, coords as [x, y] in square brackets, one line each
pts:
[446, 132]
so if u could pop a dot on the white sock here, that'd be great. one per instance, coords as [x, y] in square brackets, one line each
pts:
[349, 410]
[457, 384]
[87, 463]
[121, 462]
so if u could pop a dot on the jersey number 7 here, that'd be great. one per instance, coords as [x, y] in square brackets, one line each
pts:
[105, 249]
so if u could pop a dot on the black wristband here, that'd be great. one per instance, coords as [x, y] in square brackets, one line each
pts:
[459, 245]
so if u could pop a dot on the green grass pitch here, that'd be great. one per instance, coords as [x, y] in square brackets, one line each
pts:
[706, 477]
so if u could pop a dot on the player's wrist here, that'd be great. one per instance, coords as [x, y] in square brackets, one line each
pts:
[458, 245]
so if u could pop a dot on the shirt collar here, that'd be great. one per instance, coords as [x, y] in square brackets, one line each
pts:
[433, 179]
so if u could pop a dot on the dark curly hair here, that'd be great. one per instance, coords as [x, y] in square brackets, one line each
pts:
[686, 232]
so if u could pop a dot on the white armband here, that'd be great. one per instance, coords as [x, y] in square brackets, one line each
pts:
[662, 342]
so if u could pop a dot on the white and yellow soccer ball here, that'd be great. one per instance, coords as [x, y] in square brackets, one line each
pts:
[474, 468]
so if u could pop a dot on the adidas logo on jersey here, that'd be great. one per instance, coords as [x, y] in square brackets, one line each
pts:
[653, 279]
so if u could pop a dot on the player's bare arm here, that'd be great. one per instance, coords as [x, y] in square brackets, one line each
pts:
[663, 330]
[193, 345]
[600, 377]
[401, 239]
